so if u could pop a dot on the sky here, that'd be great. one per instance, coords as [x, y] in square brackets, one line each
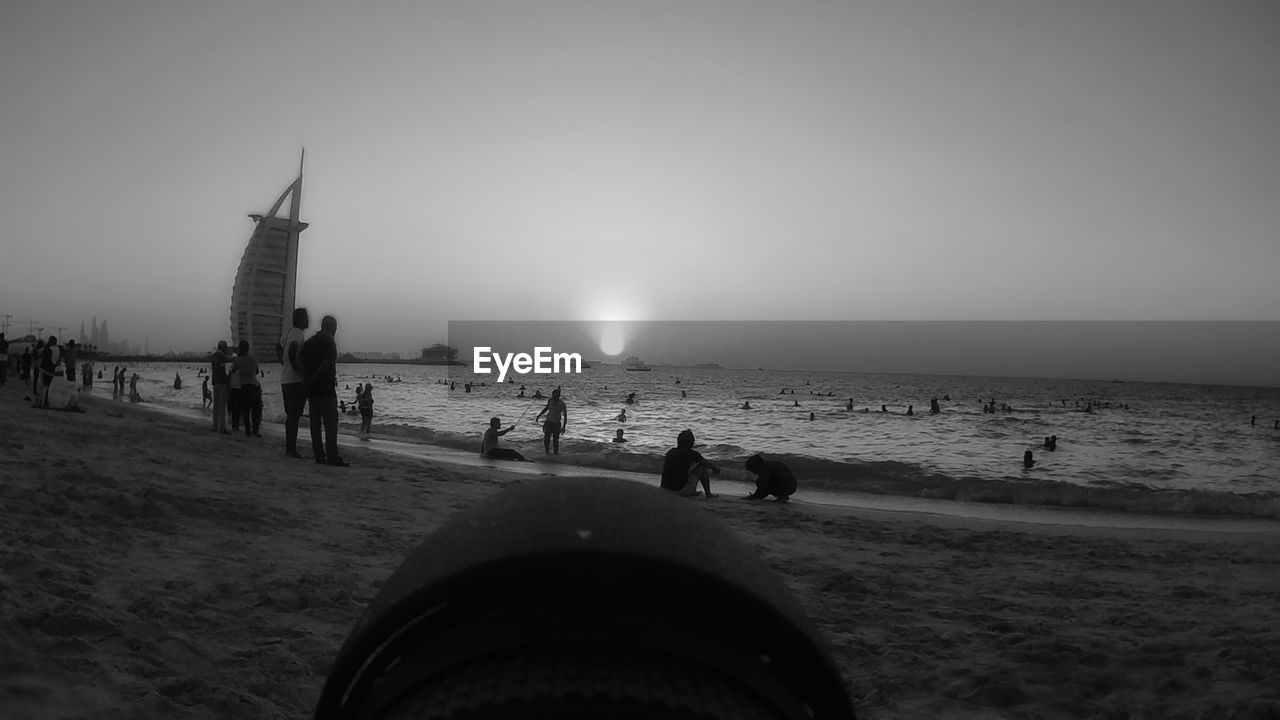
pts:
[896, 160]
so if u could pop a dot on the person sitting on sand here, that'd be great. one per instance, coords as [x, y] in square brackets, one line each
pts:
[772, 478]
[489, 445]
[683, 468]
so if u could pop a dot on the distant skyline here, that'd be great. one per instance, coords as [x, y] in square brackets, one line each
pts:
[984, 160]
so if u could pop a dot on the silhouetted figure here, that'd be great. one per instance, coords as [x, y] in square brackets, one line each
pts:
[293, 390]
[245, 367]
[489, 445]
[683, 468]
[557, 422]
[772, 478]
[1028, 460]
[319, 356]
[365, 405]
[746, 405]
[221, 386]
[911, 409]
[622, 416]
[810, 417]
[618, 437]
[933, 407]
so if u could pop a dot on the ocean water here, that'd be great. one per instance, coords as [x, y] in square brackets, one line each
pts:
[1146, 447]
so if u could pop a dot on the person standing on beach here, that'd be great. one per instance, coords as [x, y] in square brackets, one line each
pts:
[69, 361]
[221, 386]
[4, 360]
[233, 395]
[772, 478]
[245, 368]
[319, 356]
[557, 422]
[683, 468]
[49, 359]
[365, 404]
[37, 355]
[291, 377]
[204, 392]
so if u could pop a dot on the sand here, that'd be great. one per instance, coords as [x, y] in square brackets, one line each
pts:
[150, 569]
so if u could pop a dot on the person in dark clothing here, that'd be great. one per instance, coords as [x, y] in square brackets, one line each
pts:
[320, 365]
[50, 356]
[772, 478]
[683, 468]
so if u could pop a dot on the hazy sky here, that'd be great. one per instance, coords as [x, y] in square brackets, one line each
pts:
[699, 159]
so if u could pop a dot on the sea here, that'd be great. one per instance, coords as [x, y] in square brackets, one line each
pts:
[1130, 447]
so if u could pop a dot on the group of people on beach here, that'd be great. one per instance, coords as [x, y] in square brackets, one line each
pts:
[683, 468]
[237, 391]
[308, 379]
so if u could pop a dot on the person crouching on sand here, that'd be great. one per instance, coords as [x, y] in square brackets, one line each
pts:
[683, 468]
[772, 478]
[489, 445]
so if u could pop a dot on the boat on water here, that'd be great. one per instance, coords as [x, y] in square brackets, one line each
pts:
[635, 364]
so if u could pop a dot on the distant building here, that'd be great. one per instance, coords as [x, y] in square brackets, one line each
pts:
[263, 295]
[376, 355]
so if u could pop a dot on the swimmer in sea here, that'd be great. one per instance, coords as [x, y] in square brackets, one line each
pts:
[746, 405]
[622, 416]
[1028, 460]
[618, 438]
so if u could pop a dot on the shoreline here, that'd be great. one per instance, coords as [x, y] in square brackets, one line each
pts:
[153, 569]
[1089, 518]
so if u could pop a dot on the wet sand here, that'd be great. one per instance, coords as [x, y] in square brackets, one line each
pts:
[149, 568]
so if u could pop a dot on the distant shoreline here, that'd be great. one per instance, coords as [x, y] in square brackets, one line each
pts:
[348, 359]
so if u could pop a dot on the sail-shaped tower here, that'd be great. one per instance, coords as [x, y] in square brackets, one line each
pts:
[263, 295]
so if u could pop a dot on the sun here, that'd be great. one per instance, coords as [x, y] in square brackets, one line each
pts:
[612, 339]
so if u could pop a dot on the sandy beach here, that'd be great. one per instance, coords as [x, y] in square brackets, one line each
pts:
[152, 569]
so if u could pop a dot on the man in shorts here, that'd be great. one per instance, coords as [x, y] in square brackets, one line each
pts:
[557, 422]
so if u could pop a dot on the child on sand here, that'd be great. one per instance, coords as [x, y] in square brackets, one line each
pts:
[489, 445]
[772, 478]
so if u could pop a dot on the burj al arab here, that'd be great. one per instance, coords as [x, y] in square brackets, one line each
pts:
[263, 295]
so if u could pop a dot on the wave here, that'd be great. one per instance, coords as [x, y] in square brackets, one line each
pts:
[899, 478]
